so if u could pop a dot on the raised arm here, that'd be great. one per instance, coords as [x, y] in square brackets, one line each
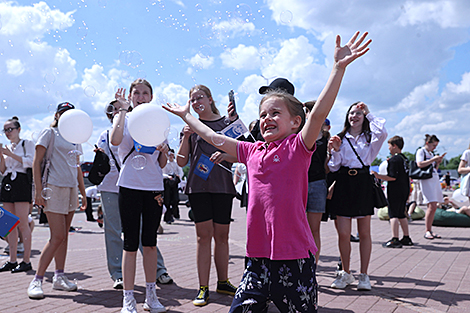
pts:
[343, 56]
[224, 143]
[117, 133]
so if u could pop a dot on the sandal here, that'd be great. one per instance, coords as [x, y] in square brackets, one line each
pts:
[428, 235]
[436, 236]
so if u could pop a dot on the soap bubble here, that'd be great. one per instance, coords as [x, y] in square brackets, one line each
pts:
[172, 135]
[4, 104]
[205, 51]
[286, 17]
[243, 13]
[73, 158]
[7, 187]
[49, 78]
[46, 193]
[218, 139]
[139, 162]
[89, 91]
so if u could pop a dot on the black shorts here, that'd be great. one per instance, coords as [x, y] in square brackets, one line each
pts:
[18, 190]
[134, 204]
[211, 206]
[397, 204]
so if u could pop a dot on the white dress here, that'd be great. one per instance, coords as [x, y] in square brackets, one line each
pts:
[431, 188]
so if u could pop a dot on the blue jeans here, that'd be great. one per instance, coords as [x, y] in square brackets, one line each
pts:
[113, 239]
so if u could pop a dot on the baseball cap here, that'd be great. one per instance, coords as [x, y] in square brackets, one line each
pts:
[278, 83]
[64, 106]
[327, 122]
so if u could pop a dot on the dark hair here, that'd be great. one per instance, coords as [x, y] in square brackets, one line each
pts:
[110, 114]
[347, 126]
[208, 93]
[397, 141]
[140, 81]
[15, 120]
[294, 106]
[430, 138]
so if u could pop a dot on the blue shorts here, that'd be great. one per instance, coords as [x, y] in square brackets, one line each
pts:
[317, 192]
[290, 284]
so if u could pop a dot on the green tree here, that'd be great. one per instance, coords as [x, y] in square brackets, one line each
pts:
[377, 161]
[451, 164]
[409, 156]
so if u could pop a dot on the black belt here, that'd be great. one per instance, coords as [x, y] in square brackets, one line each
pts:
[353, 171]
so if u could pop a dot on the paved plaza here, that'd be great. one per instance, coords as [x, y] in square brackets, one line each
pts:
[432, 276]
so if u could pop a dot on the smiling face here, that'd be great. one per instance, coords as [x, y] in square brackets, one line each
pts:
[200, 101]
[276, 122]
[140, 94]
[356, 117]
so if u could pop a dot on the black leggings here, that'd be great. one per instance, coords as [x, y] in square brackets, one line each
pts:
[132, 205]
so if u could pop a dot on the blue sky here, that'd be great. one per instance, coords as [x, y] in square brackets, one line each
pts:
[416, 75]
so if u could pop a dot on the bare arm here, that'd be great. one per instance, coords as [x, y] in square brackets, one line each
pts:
[163, 157]
[38, 157]
[182, 156]
[117, 133]
[343, 56]
[463, 169]
[81, 187]
[228, 145]
[383, 177]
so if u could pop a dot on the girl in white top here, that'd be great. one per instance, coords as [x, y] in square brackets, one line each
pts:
[63, 183]
[431, 188]
[139, 198]
[464, 165]
[352, 195]
[15, 160]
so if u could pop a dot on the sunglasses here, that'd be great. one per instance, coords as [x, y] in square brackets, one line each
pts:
[9, 129]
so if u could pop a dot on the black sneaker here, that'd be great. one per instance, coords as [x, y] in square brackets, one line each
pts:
[392, 243]
[354, 238]
[226, 287]
[22, 267]
[8, 266]
[406, 241]
[202, 296]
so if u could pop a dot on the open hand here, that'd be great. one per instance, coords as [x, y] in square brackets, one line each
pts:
[120, 96]
[352, 50]
[177, 109]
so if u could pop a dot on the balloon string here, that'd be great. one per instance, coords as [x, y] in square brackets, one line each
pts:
[225, 168]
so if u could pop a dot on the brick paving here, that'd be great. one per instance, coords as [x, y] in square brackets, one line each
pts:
[430, 277]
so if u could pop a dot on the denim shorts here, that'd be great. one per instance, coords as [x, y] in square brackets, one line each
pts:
[317, 192]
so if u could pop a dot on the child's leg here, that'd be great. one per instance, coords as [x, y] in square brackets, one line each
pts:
[343, 227]
[128, 269]
[404, 226]
[294, 286]
[365, 245]
[395, 229]
[253, 292]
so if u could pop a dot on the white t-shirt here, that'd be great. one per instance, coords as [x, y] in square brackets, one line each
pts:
[61, 173]
[150, 177]
[92, 192]
[466, 157]
[109, 183]
[424, 155]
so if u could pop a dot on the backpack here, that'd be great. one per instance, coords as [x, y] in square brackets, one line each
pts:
[99, 169]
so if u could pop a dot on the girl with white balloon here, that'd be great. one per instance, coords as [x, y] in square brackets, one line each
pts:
[63, 183]
[140, 184]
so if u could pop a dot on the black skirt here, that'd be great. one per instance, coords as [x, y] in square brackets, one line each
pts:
[352, 195]
[18, 190]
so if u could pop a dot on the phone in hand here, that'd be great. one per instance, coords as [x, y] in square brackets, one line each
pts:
[231, 98]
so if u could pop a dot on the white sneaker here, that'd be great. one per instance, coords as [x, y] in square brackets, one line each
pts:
[364, 282]
[128, 306]
[20, 248]
[342, 280]
[35, 289]
[153, 305]
[61, 282]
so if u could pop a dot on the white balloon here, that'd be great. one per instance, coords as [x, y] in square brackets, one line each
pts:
[148, 124]
[75, 126]
[383, 168]
[457, 196]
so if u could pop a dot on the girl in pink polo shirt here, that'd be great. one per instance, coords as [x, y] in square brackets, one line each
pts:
[280, 262]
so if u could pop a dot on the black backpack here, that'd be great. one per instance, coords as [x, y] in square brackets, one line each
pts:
[99, 168]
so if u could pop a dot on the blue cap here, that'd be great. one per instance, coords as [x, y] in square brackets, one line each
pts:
[327, 122]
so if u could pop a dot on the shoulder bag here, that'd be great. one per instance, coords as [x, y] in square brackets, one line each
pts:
[378, 194]
[417, 172]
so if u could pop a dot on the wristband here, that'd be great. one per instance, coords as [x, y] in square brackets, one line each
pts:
[121, 109]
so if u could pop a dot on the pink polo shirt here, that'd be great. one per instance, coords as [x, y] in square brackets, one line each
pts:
[277, 226]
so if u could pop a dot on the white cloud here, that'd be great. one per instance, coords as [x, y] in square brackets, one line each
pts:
[445, 13]
[241, 58]
[15, 67]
